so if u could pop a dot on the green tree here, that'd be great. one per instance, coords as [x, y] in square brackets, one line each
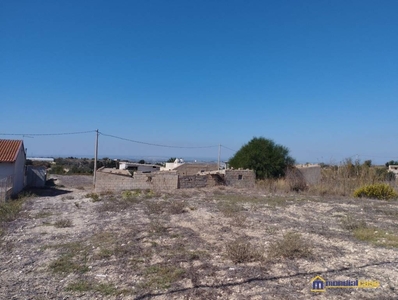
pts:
[367, 163]
[171, 159]
[267, 159]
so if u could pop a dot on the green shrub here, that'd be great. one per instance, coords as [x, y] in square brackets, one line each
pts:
[376, 191]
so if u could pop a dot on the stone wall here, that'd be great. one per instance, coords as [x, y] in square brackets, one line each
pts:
[107, 181]
[240, 178]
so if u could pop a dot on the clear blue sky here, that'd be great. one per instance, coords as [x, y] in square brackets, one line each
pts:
[320, 77]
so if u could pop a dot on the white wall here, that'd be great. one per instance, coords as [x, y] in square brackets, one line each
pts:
[6, 169]
[170, 166]
[15, 169]
[393, 168]
[19, 172]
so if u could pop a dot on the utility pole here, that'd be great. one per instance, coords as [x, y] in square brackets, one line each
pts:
[95, 159]
[219, 153]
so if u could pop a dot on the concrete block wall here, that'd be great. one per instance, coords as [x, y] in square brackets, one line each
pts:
[171, 180]
[164, 181]
[153, 181]
[193, 181]
[113, 182]
[240, 178]
[188, 169]
[215, 180]
[312, 174]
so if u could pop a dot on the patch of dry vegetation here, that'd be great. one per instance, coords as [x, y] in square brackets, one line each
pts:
[242, 251]
[292, 246]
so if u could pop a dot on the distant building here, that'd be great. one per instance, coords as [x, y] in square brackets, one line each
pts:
[191, 168]
[46, 159]
[393, 169]
[145, 168]
[172, 165]
[12, 163]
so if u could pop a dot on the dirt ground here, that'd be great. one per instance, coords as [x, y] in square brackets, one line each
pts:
[215, 243]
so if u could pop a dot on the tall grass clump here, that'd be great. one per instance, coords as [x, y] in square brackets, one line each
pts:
[345, 178]
[376, 191]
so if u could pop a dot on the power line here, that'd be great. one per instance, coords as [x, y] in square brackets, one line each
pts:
[48, 134]
[112, 136]
[157, 145]
[228, 148]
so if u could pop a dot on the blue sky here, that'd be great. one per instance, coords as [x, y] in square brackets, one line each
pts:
[319, 77]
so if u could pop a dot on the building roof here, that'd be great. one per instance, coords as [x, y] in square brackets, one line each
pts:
[9, 150]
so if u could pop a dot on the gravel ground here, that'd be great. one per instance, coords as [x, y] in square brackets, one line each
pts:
[219, 243]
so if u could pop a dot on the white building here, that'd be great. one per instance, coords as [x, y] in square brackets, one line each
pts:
[393, 169]
[12, 163]
[145, 168]
[172, 165]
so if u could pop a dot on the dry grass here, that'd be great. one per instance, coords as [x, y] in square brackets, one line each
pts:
[161, 276]
[94, 197]
[85, 286]
[351, 223]
[155, 207]
[242, 251]
[290, 246]
[73, 258]
[63, 223]
[176, 207]
[336, 180]
[376, 236]
[10, 209]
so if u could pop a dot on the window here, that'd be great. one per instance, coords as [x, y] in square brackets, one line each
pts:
[240, 177]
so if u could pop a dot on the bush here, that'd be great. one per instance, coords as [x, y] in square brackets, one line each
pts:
[376, 191]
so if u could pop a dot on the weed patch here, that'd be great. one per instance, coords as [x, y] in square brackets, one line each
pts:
[128, 195]
[161, 276]
[176, 207]
[73, 258]
[94, 197]
[155, 207]
[10, 209]
[63, 223]
[377, 237]
[241, 251]
[351, 223]
[157, 228]
[229, 209]
[291, 246]
[85, 286]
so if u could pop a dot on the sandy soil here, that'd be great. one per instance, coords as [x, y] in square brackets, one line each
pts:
[71, 244]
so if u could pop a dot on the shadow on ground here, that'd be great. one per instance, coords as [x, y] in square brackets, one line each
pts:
[48, 191]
